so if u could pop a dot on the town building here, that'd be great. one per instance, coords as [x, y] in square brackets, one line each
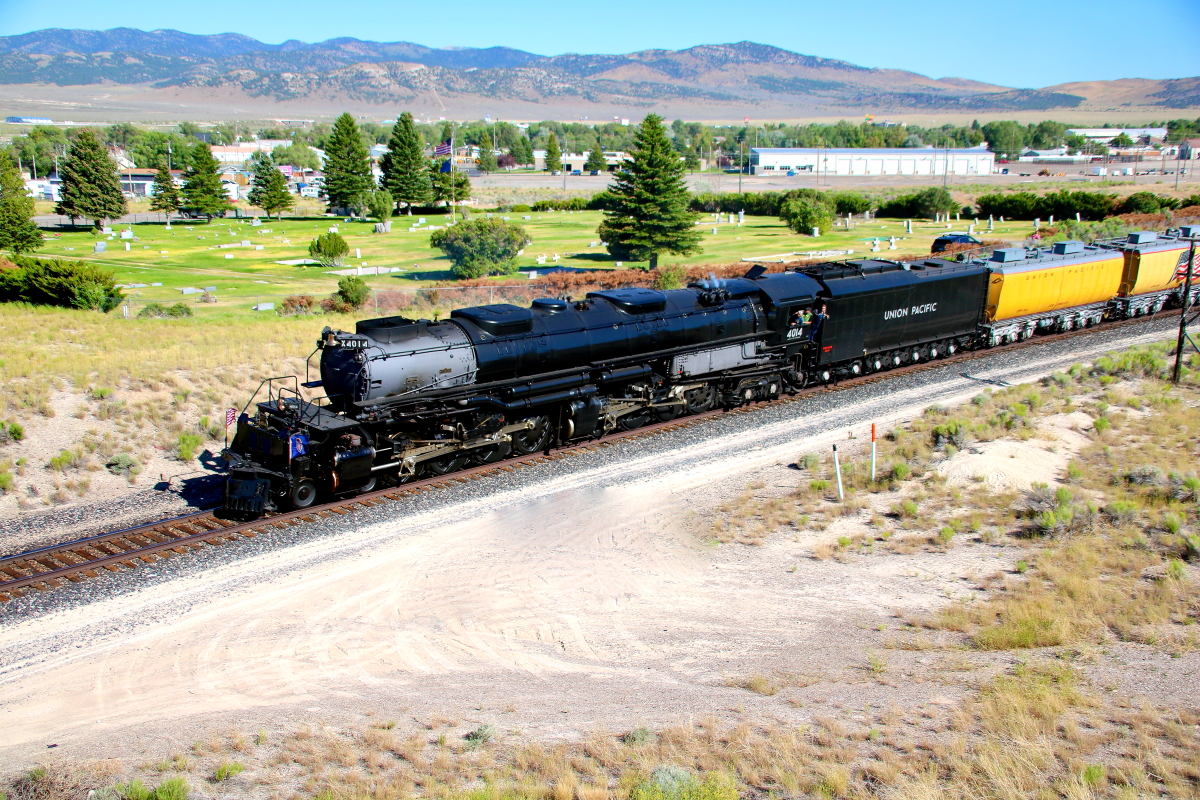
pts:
[870, 161]
[1106, 135]
[240, 153]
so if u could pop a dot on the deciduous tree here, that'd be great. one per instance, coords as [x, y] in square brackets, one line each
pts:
[91, 188]
[648, 213]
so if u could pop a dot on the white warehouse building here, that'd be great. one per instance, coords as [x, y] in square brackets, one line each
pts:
[870, 161]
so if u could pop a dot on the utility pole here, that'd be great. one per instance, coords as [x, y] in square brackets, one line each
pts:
[1189, 232]
[1178, 152]
[742, 165]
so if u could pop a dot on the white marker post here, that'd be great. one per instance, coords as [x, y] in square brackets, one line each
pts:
[872, 452]
[837, 471]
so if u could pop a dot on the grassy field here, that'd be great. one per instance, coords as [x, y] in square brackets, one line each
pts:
[200, 255]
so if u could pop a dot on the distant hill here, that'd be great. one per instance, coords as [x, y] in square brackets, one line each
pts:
[168, 67]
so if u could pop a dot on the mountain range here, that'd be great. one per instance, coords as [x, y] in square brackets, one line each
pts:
[171, 69]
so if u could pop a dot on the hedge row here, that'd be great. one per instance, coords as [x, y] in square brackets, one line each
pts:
[50, 282]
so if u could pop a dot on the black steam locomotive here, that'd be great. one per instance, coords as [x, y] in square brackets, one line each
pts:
[405, 398]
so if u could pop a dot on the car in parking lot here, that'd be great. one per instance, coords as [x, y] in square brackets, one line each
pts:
[594, 172]
[945, 240]
[576, 172]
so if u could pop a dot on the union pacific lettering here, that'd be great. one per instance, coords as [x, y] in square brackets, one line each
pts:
[900, 313]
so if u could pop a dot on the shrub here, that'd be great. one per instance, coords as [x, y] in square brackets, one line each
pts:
[946, 535]
[226, 770]
[6, 481]
[1101, 424]
[50, 282]
[908, 508]
[297, 304]
[639, 736]
[353, 291]
[329, 249]
[173, 789]
[121, 464]
[481, 735]
[901, 471]
[1121, 511]
[188, 442]
[1185, 489]
[159, 311]
[806, 213]
[852, 202]
[926, 203]
[380, 204]
[672, 277]
[669, 782]
[481, 247]
[818, 485]
[1147, 475]
[63, 460]
[955, 432]
[522, 208]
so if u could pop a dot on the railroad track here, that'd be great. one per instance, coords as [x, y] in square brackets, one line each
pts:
[71, 562]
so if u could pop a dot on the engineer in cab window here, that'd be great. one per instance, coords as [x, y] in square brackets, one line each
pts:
[818, 321]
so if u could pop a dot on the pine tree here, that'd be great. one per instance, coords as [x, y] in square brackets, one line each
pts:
[649, 211]
[270, 192]
[405, 168]
[451, 186]
[488, 162]
[202, 189]
[18, 232]
[347, 166]
[595, 160]
[522, 152]
[166, 193]
[553, 155]
[91, 188]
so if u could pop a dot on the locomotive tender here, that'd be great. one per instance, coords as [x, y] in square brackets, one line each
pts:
[405, 397]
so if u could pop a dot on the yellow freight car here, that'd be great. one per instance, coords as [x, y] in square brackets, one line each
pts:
[1061, 287]
[1155, 267]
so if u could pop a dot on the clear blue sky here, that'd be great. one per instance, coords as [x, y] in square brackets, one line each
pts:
[1017, 43]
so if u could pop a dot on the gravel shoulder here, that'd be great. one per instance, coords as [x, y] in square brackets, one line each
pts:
[556, 599]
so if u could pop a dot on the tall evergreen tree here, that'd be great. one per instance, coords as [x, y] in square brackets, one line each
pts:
[649, 211]
[553, 155]
[166, 193]
[269, 192]
[405, 168]
[595, 160]
[487, 161]
[347, 166]
[91, 187]
[202, 189]
[450, 186]
[18, 233]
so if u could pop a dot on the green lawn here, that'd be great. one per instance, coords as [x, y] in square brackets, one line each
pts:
[187, 255]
